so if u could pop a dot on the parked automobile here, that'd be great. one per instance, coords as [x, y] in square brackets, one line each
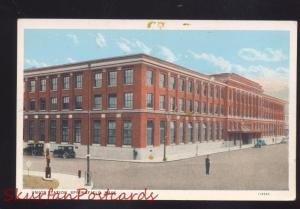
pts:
[34, 149]
[260, 143]
[66, 151]
[284, 140]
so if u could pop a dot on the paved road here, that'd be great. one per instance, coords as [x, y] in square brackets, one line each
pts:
[251, 169]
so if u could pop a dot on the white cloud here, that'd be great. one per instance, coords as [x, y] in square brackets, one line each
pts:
[74, 38]
[168, 54]
[272, 79]
[71, 60]
[133, 45]
[268, 55]
[35, 63]
[100, 40]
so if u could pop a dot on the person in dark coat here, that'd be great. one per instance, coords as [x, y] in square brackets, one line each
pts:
[207, 165]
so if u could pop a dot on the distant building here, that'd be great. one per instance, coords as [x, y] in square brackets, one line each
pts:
[126, 107]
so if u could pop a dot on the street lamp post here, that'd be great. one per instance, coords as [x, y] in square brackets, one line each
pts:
[88, 175]
[165, 140]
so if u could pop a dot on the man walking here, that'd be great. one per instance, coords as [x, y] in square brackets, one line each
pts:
[207, 165]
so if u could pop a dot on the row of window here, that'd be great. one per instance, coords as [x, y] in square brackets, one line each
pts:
[78, 101]
[78, 81]
[185, 105]
[210, 90]
[96, 131]
[206, 129]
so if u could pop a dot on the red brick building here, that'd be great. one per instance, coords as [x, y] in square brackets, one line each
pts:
[138, 103]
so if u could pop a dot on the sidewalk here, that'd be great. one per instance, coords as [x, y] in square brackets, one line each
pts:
[66, 181]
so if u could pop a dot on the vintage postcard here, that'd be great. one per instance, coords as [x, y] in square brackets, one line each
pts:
[156, 110]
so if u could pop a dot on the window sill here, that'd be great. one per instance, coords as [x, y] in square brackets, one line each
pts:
[97, 109]
[112, 108]
[96, 87]
[112, 86]
[126, 146]
[78, 109]
[127, 108]
[128, 84]
[111, 145]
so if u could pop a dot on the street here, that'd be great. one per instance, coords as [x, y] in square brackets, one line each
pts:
[263, 168]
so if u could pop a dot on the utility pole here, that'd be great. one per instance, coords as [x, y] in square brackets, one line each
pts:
[88, 175]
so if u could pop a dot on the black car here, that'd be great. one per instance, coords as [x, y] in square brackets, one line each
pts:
[64, 152]
[34, 149]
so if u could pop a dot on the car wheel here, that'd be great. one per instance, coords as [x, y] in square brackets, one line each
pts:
[65, 155]
[33, 153]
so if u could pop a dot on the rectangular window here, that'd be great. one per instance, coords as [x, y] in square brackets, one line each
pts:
[43, 85]
[149, 100]
[31, 85]
[181, 105]
[197, 130]
[172, 103]
[112, 78]
[162, 131]
[198, 88]
[162, 80]
[190, 86]
[66, 82]
[204, 107]
[42, 104]
[78, 81]
[172, 83]
[218, 92]
[222, 93]
[78, 102]
[172, 132]
[128, 100]
[97, 102]
[52, 130]
[205, 89]
[77, 131]
[181, 132]
[150, 132]
[211, 132]
[211, 91]
[127, 132]
[111, 132]
[42, 130]
[196, 106]
[162, 102]
[211, 108]
[149, 75]
[32, 105]
[181, 84]
[190, 132]
[53, 84]
[31, 130]
[112, 101]
[97, 79]
[64, 131]
[190, 105]
[96, 131]
[65, 103]
[128, 76]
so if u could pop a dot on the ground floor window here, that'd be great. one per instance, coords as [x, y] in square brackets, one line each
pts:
[31, 130]
[162, 131]
[52, 130]
[211, 128]
[42, 130]
[149, 132]
[127, 132]
[204, 127]
[77, 131]
[218, 131]
[64, 131]
[197, 130]
[96, 131]
[181, 132]
[172, 132]
[190, 132]
[111, 132]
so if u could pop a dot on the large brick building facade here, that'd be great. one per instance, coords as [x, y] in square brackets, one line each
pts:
[132, 107]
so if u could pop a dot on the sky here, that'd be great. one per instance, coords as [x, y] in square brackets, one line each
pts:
[261, 56]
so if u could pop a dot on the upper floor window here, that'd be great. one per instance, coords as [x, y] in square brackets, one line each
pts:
[198, 88]
[162, 102]
[218, 92]
[42, 104]
[190, 86]
[97, 79]
[78, 81]
[112, 101]
[172, 103]
[211, 91]
[65, 103]
[128, 100]
[128, 76]
[162, 80]
[149, 100]
[32, 104]
[112, 78]
[53, 103]
[205, 89]
[172, 85]
[78, 102]
[222, 93]
[149, 75]
[31, 85]
[190, 105]
[66, 82]
[181, 105]
[98, 102]
[196, 106]
[43, 85]
[53, 84]
[181, 84]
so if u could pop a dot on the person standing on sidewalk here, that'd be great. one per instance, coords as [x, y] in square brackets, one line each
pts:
[207, 165]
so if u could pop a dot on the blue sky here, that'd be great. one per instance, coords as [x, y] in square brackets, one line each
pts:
[262, 56]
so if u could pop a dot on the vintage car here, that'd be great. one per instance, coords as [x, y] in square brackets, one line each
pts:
[64, 151]
[35, 149]
[260, 143]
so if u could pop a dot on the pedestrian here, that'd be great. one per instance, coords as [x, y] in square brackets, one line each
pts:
[207, 165]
